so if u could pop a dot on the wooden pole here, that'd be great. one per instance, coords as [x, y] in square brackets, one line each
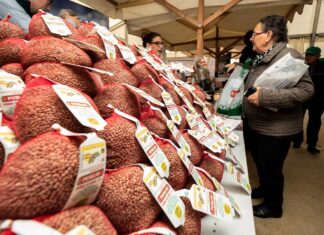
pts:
[200, 30]
[217, 58]
[315, 23]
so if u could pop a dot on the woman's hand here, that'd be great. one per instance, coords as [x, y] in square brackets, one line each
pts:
[254, 98]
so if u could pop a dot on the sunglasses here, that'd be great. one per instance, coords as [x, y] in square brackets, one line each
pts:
[158, 43]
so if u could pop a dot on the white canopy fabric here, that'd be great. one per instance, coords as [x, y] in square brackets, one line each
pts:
[149, 15]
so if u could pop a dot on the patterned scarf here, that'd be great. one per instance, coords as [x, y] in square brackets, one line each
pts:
[259, 57]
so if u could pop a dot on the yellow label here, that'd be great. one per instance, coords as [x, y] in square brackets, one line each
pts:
[149, 175]
[227, 209]
[178, 211]
[93, 121]
[92, 146]
[164, 166]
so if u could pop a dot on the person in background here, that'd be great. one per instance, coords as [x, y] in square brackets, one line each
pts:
[271, 132]
[247, 51]
[70, 16]
[154, 43]
[21, 11]
[316, 105]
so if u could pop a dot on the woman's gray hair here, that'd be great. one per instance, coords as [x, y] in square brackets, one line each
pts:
[278, 25]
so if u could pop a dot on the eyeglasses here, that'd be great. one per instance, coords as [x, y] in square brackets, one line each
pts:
[158, 43]
[309, 54]
[257, 33]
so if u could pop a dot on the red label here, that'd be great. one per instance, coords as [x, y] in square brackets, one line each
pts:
[90, 176]
[10, 98]
[164, 193]
[211, 202]
[78, 104]
[152, 150]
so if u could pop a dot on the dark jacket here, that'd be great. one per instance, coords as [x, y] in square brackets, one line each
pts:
[288, 120]
[316, 72]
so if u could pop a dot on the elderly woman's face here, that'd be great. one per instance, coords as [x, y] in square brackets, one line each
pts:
[261, 40]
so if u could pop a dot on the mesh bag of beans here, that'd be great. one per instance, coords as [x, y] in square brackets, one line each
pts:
[51, 49]
[121, 72]
[90, 216]
[38, 108]
[151, 88]
[122, 146]
[78, 78]
[158, 224]
[95, 41]
[143, 70]
[10, 50]
[170, 89]
[119, 96]
[155, 122]
[13, 68]
[195, 147]
[36, 180]
[178, 172]
[2, 155]
[126, 201]
[214, 167]
[10, 30]
[38, 27]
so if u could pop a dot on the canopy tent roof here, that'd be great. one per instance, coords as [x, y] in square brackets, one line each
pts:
[180, 22]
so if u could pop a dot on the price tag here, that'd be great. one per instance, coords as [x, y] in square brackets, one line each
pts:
[9, 141]
[210, 203]
[207, 140]
[145, 95]
[56, 25]
[232, 138]
[80, 230]
[230, 156]
[154, 63]
[240, 178]
[210, 118]
[153, 151]
[171, 107]
[127, 53]
[92, 165]
[164, 194]
[79, 107]
[11, 88]
[27, 227]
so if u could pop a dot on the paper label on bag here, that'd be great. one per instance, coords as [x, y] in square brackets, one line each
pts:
[109, 41]
[127, 53]
[11, 88]
[210, 118]
[191, 168]
[153, 151]
[9, 141]
[56, 25]
[192, 121]
[230, 156]
[210, 203]
[171, 107]
[80, 230]
[185, 99]
[27, 227]
[154, 63]
[209, 140]
[80, 107]
[233, 138]
[92, 165]
[170, 75]
[155, 230]
[179, 138]
[164, 194]
[145, 95]
[240, 178]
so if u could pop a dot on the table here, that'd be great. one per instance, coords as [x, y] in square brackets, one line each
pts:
[243, 225]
